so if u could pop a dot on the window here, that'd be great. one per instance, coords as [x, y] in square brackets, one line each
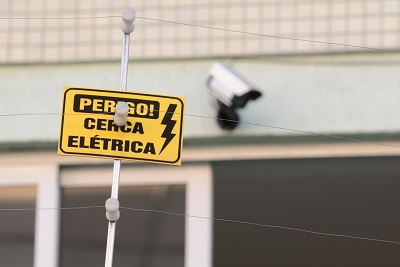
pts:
[349, 196]
[35, 232]
[142, 238]
[17, 227]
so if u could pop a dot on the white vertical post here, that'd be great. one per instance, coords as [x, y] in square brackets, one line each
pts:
[46, 249]
[128, 16]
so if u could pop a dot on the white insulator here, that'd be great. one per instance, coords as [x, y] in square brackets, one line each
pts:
[121, 113]
[112, 209]
[128, 16]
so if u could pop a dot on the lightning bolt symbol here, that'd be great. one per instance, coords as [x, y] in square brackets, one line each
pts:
[169, 126]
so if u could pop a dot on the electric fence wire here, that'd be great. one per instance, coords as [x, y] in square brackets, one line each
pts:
[215, 219]
[204, 27]
[227, 120]
[264, 35]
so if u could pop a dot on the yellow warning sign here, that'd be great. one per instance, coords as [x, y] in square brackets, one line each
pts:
[153, 132]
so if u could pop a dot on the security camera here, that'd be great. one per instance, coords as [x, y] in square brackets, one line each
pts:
[229, 87]
[231, 91]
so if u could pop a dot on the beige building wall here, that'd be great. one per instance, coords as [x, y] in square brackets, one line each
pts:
[193, 28]
[323, 94]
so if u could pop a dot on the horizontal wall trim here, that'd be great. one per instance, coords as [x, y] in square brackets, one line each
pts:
[235, 140]
[218, 153]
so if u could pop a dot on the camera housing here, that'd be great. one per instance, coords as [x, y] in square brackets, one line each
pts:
[229, 87]
[231, 91]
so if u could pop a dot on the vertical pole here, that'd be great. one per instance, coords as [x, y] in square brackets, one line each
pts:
[112, 224]
[128, 16]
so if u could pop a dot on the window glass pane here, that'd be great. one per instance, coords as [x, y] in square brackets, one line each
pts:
[17, 227]
[142, 238]
[348, 196]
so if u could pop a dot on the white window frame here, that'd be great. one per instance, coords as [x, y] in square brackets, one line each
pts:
[198, 181]
[45, 179]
